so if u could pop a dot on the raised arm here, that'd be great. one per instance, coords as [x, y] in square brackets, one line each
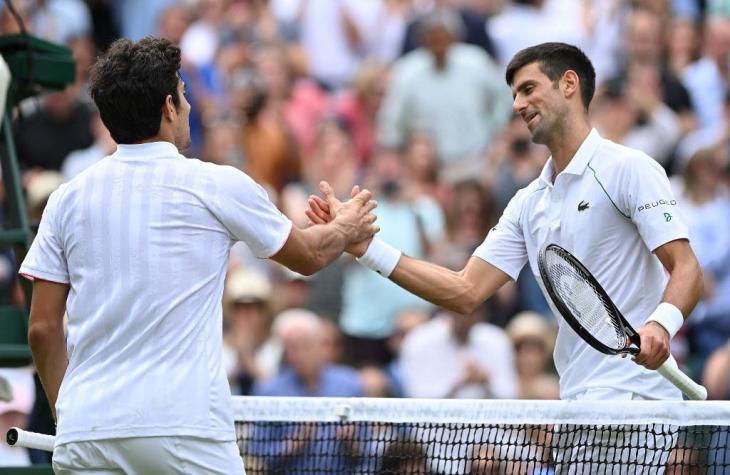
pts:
[459, 291]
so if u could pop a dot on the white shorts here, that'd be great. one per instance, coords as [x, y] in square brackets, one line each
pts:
[614, 450]
[148, 455]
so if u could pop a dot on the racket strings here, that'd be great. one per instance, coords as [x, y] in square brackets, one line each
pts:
[586, 303]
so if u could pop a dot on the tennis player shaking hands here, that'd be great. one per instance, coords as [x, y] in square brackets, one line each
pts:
[135, 251]
[611, 206]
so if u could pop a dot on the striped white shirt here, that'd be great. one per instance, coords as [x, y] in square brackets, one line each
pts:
[143, 237]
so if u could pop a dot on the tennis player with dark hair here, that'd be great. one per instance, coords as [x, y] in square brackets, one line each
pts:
[610, 205]
[135, 251]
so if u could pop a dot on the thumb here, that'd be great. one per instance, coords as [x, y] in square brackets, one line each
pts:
[328, 193]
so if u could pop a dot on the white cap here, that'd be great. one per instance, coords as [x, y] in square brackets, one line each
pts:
[247, 286]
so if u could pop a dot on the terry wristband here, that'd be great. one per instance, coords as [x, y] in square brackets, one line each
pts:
[669, 317]
[380, 257]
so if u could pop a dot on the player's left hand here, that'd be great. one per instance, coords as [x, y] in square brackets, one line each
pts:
[654, 346]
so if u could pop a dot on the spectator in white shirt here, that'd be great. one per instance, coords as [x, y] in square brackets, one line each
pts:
[458, 356]
[449, 90]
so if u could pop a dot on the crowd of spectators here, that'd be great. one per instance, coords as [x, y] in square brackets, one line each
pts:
[407, 98]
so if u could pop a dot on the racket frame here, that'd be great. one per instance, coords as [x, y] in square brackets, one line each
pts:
[608, 304]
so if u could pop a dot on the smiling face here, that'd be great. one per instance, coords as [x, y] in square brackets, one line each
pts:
[539, 102]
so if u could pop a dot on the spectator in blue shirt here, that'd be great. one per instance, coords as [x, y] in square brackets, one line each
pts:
[299, 448]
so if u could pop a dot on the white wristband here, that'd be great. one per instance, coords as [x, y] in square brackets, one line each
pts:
[668, 316]
[380, 257]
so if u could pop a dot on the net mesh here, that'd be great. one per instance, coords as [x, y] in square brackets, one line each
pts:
[408, 436]
[585, 303]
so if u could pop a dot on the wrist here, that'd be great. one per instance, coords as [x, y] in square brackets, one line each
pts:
[380, 257]
[668, 316]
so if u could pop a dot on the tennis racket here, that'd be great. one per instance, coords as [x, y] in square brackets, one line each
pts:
[31, 440]
[589, 311]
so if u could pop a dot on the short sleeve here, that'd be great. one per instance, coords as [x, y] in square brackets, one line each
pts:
[46, 258]
[244, 208]
[651, 204]
[504, 247]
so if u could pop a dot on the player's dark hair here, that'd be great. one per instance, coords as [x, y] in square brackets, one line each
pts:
[129, 84]
[554, 59]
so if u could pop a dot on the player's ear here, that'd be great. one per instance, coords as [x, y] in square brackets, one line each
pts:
[570, 83]
[168, 108]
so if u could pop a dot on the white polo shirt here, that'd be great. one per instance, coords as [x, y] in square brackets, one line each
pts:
[611, 207]
[142, 237]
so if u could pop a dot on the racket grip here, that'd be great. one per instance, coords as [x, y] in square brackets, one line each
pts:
[32, 440]
[684, 383]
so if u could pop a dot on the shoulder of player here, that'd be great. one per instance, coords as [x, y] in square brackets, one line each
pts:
[219, 175]
[616, 159]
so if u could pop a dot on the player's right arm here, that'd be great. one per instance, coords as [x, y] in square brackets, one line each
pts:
[459, 291]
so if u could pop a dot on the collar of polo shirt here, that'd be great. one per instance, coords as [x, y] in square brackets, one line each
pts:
[146, 150]
[578, 163]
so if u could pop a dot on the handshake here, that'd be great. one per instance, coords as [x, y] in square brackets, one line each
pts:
[353, 218]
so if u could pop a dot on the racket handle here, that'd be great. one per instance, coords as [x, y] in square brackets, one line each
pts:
[684, 383]
[32, 440]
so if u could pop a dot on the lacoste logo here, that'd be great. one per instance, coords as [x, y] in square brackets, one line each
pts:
[668, 217]
[583, 205]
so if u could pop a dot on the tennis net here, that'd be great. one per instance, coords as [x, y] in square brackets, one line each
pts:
[416, 436]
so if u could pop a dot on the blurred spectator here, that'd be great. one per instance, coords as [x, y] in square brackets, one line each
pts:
[514, 162]
[393, 30]
[404, 457]
[411, 223]
[422, 169]
[405, 322]
[644, 47]
[716, 376]
[60, 21]
[63, 121]
[359, 108]
[332, 342]
[533, 339]
[222, 144]
[335, 35]
[469, 216]
[9, 24]
[630, 112]
[449, 90]
[14, 413]
[705, 204]
[103, 23]
[201, 39]
[79, 160]
[305, 371]
[375, 382]
[476, 26]
[39, 186]
[270, 153]
[137, 18]
[247, 300]
[697, 71]
[524, 23]
[458, 356]
[717, 44]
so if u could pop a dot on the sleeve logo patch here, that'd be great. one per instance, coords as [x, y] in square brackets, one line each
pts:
[668, 217]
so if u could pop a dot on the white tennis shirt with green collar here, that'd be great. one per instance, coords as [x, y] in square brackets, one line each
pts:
[142, 237]
[611, 207]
